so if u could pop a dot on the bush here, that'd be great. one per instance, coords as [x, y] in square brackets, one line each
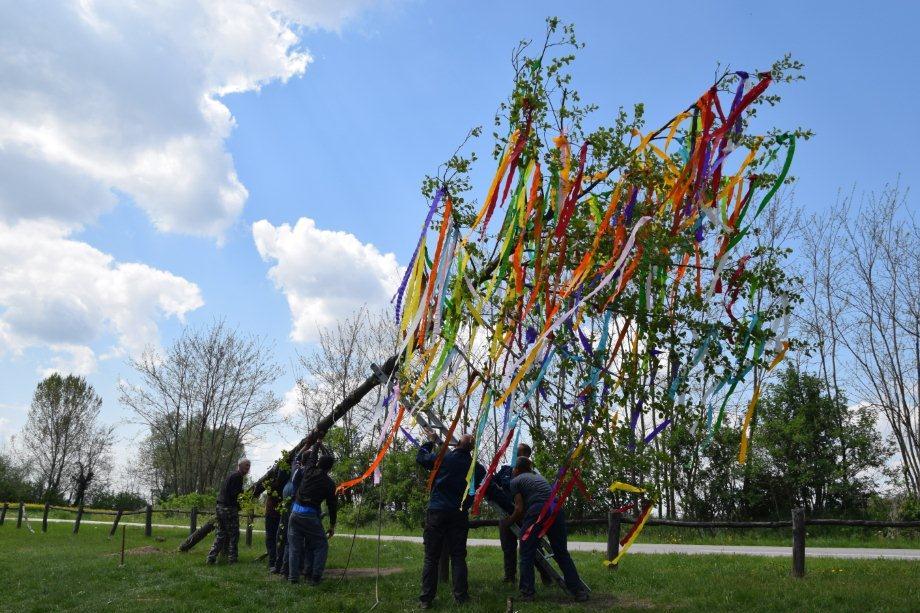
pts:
[186, 502]
[125, 500]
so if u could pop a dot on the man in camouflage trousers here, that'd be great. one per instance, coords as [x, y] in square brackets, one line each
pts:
[228, 515]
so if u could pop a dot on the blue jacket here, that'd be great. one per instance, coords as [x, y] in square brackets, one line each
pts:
[450, 483]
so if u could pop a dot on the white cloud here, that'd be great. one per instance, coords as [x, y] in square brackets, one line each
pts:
[99, 97]
[325, 275]
[290, 404]
[63, 294]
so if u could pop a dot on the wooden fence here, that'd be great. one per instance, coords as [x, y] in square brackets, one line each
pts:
[798, 523]
[613, 523]
[148, 512]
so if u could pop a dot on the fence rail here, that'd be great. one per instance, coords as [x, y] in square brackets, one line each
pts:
[613, 522]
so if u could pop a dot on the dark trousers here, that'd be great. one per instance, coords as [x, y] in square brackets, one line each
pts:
[281, 551]
[228, 533]
[558, 542]
[509, 541]
[308, 546]
[272, 523]
[445, 529]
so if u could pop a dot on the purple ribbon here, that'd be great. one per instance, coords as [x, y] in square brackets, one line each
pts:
[405, 280]
[656, 431]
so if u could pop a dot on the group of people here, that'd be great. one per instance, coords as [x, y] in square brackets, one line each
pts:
[297, 545]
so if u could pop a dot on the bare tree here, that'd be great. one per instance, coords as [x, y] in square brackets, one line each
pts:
[202, 402]
[341, 362]
[882, 297]
[63, 440]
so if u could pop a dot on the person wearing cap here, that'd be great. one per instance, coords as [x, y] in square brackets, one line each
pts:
[308, 543]
[228, 515]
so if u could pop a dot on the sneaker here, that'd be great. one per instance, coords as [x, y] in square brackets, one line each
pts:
[424, 604]
[582, 596]
[461, 601]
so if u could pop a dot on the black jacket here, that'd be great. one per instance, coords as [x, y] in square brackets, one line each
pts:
[229, 493]
[317, 486]
[450, 483]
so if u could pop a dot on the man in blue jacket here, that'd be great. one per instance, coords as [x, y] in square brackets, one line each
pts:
[447, 522]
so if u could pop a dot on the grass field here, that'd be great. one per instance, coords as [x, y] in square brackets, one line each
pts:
[58, 571]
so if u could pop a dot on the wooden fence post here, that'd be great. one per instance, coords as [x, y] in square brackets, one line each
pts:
[22, 508]
[193, 520]
[798, 542]
[45, 517]
[115, 523]
[613, 536]
[76, 523]
[122, 563]
[6, 506]
[148, 521]
[444, 566]
[249, 520]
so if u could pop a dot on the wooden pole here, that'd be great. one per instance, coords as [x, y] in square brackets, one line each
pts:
[339, 411]
[249, 529]
[115, 523]
[148, 521]
[6, 506]
[22, 509]
[614, 519]
[193, 520]
[45, 517]
[444, 565]
[76, 523]
[122, 546]
[798, 542]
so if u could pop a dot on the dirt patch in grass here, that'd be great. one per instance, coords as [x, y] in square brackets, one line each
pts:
[146, 550]
[606, 602]
[336, 573]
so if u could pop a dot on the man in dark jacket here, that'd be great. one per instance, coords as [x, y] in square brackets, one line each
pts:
[228, 514]
[446, 522]
[308, 544]
[531, 491]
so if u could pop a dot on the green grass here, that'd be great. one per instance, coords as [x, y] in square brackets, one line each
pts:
[58, 571]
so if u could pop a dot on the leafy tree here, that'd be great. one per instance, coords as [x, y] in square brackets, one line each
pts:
[14, 481]
[66, 446]
[814, 451]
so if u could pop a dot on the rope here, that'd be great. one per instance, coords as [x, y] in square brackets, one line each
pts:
[379, 539]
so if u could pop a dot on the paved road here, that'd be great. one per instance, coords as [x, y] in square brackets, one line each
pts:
[743, 550]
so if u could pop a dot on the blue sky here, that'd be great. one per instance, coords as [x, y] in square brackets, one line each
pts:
[389, 92]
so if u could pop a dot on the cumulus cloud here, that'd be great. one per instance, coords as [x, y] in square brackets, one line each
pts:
[324, 274]
[106, 97]
[63, 294]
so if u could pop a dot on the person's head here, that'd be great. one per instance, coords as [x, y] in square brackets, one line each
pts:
[466, 442]
[243, 467]
[524, 450]
[523, 465]
[325, 462]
